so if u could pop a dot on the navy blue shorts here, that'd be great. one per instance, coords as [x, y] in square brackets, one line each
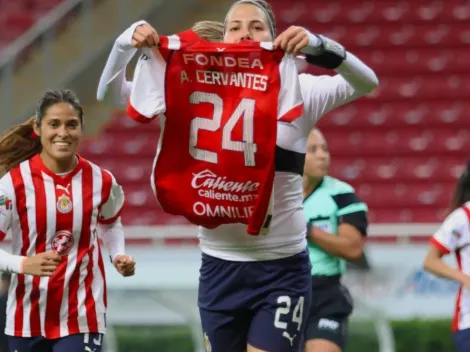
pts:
[264, 304]
[462, 340]
[73, 343]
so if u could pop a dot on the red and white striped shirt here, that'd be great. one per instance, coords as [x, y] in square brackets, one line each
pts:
[45, 212]
[454, 237]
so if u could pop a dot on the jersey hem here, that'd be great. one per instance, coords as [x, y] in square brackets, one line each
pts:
[36, 333]
[260, 254]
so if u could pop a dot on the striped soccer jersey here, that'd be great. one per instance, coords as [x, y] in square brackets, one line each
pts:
[49, 212]
[454, 237]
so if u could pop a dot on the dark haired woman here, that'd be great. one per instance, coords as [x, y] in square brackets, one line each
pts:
[53, 202]
[454, 237]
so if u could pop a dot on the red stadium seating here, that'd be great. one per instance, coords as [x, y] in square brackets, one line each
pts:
[402, 147]
[16, 16]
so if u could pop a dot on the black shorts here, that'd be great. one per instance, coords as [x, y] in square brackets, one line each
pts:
[331, 306]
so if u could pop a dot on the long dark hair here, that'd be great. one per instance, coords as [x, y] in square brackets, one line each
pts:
[19, 143]
[462, 190]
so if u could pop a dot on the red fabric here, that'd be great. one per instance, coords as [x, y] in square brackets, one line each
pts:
[216, 163]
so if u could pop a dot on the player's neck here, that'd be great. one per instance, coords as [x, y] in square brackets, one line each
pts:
[310, 184]
[59, 166]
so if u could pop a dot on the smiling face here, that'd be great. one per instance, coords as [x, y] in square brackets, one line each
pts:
[247, 22]
[60, 130]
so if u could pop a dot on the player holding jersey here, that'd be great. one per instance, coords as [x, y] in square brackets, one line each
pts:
[53, 202]
[336, 223]
[453, 236]
[253, 289]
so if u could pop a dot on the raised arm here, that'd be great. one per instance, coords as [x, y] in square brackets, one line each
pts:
[322, 94]
[113, 87]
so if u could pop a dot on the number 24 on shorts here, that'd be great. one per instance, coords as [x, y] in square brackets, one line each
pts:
[285, 304]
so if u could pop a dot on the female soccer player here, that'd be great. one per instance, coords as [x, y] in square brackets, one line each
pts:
[454, 237]
[52, 201]
[336, 223]
[254, 291]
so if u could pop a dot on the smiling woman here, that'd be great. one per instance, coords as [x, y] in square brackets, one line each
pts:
[54, 132]
[54, 202]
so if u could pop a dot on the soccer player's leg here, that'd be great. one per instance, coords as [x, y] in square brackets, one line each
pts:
[29, 344]
[222, 301]
[327, 325]
[89, 342]
[281, 314]
[462, 340]
[326, 335]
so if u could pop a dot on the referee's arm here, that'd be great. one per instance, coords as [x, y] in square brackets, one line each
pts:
[352, 228]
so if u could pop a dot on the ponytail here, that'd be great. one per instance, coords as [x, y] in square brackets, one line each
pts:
[462, 190]
[18, 144]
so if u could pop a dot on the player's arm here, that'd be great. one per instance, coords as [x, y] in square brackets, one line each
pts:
[322, 94]
[352, 228]
[112, 232]
[113, 88]
[43, 264]
[8, 262]
[452, 234]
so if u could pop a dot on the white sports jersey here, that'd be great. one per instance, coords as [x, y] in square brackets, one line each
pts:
[287, 234]
[47, 212]
[320, 94]
[454, 237]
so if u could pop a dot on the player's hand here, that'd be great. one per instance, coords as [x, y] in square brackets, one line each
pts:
[465, 281]
[42, 264]
[125, 265]
[292, 40]
[145, 36]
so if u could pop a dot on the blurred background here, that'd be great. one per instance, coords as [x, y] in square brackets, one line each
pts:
[402, 148]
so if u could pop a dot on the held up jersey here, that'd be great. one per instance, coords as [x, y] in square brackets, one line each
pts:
[216, 160]
[321, 94]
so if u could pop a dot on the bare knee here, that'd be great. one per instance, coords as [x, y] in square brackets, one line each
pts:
[319, 345]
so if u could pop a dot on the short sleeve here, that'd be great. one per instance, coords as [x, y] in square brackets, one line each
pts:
[453, 233]
[147, 98]
[290, 104]
[111, 210]
[351, 210]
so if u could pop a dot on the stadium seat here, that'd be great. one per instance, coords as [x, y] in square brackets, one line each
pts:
[19, 15]
[371, 12]
[362, 115]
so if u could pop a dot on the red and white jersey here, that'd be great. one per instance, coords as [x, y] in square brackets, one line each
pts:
[321, 94]
[454, 237]
[223, 102]
[44, 212]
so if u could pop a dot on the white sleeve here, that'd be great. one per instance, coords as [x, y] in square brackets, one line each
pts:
[113, 238]
[113, 87]
[11, 263]
[8, 262]
[148, 89]
[453, 233]
[322, 94]
[6, 209]
[111, 210]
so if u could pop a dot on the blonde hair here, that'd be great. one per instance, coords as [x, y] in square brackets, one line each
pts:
[212, 31]
[263, 5]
